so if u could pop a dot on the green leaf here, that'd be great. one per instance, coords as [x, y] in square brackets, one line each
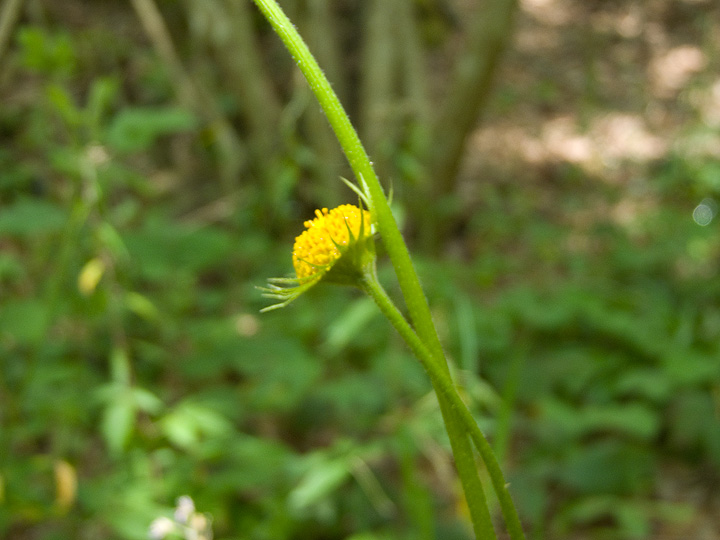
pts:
[118, 421]
[608, 466]
[31, 217]
[64, 105]
[146, 401]
[319, 482]
[349, 325]
[142, 306]
[46, 53]
[689, 368]
[188, 423]
[120, 366]
[102, 94]
[10, 267]
[649, 383]
[163, 249]
[23, 321]
[136, 129]
[633, 419]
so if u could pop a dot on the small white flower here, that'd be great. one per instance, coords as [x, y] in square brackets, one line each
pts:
[185, 509]
[201, 525]
[161, 527]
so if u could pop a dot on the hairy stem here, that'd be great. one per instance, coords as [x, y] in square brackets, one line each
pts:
[457, 432]
[444, 387]
[426, 339]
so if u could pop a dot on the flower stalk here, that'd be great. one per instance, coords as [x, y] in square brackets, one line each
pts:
[423, 339]
[445, 388]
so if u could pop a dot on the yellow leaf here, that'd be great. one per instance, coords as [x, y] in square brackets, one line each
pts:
[65, 483]
[90, 276]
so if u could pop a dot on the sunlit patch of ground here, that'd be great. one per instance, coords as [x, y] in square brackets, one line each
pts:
[608, 87]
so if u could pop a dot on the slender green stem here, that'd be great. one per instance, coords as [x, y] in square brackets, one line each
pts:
[428, 342]
[390, 233]
[467, 469]
[362, 167]
[349, 140]
[445, 387]
[464, 459]
[512, 381]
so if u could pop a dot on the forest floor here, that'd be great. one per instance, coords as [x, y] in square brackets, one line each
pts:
[610, 88]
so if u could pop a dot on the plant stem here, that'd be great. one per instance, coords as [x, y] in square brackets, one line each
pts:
[462, 450]
[362, 167]
[428, 341]
[444, 387]
[8, 17]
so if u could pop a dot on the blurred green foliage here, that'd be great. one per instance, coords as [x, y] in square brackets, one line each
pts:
[131, 349]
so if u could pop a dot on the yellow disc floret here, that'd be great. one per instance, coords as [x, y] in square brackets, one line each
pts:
[327, 236]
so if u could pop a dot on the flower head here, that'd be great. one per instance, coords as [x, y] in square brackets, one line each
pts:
[327, 237]
[337, 245]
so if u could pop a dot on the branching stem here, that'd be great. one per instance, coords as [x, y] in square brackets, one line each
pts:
[423, 340]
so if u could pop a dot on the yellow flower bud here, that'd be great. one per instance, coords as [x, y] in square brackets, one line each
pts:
[336, 246]
[327, 237]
